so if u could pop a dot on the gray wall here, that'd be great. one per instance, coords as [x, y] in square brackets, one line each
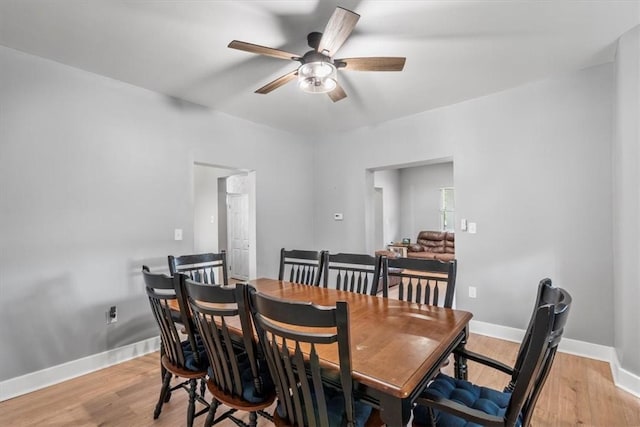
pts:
[626, 201]
[389, 181]
[420, 197]
[94, 176]
[532, 168]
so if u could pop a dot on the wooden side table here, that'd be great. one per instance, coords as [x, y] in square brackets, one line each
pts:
[399, 248]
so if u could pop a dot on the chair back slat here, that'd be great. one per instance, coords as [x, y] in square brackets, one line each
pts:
[304, 274]
[168, 332]
[303, 266]
[316, 379]
[276, 360]
[351, 272]
[209, 268]
[290, 333]
[420, 280]
[436, 290]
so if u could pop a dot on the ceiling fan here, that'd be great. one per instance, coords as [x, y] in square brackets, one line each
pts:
[318, 70]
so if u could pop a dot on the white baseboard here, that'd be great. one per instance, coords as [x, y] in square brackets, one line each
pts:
[496, 331]
[622, 379]
[40, 379]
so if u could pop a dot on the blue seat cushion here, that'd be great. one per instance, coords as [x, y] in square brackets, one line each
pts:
[335, 409]
[190, 361]
[249, 391]
[484, 399]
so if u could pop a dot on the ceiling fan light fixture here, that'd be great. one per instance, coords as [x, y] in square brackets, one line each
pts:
[317, 77]
[317, 72]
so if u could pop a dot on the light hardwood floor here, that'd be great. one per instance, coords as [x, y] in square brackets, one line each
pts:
[579, 391]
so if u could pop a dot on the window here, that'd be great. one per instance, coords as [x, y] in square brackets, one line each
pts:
[447, 209]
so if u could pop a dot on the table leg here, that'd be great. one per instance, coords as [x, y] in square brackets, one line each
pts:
[395, 412]
[460, 362]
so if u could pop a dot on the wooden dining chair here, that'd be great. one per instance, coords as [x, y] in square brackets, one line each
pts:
[210, 268]
[300, 266]
[359, 273]
[238, 377]
[448, 401]
[292, 335]
[423, 281]
[181, 358]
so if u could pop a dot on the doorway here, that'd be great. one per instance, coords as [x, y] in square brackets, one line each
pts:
[410, 195]
[225, 216]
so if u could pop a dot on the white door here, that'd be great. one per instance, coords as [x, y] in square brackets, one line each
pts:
[238, 231]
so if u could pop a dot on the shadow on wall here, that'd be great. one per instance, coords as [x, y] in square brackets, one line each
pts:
[130, 330]
[55, 328]
[45, 332]
[134, 271]
[185, 106]
[137, 322]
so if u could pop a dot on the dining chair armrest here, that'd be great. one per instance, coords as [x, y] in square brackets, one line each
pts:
[484, 360]
[459, 410]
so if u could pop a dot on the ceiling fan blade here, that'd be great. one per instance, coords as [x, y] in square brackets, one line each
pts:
[380, 63]
[280, 81]
[338, 29]
[262, 50]
[337, 94]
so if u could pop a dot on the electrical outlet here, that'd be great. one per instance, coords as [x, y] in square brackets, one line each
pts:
[472, 291]
[112, 315]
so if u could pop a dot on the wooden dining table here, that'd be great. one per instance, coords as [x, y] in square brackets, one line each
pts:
[397, 347]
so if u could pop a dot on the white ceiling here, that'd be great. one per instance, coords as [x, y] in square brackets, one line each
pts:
[455, 50]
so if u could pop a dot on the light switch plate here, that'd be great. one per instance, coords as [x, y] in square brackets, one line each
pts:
[472, 227]
[177, 234]
[463, 225]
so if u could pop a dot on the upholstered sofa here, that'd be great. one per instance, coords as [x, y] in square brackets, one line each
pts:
[433, 245]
